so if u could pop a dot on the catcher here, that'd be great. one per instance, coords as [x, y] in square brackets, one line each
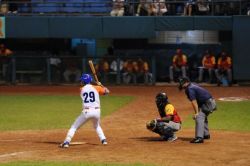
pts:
[169, 121]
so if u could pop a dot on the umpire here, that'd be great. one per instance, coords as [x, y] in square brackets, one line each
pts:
[203, 104]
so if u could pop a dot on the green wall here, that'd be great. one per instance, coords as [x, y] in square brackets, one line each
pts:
[106, 28]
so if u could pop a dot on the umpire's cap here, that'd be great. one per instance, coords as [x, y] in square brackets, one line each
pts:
[182, 81]
[86, 78]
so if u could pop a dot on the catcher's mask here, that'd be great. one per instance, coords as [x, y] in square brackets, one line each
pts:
[182, 81]
[161, 99]
[86, 78]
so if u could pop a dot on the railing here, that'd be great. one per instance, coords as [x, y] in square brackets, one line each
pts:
[41, 70]
[104, 7]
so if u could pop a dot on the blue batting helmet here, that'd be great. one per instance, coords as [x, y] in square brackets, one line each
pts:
[86, 78]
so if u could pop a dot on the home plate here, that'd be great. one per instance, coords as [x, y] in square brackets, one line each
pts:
[77, 143]
[233, 99]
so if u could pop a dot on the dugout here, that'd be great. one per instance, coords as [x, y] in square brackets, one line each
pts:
[233, 31]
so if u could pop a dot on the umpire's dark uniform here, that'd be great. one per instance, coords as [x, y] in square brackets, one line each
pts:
[206, 105]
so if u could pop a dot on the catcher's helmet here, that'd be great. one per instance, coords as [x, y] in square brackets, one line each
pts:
[182, 81]
[161, 99]
[86, 78]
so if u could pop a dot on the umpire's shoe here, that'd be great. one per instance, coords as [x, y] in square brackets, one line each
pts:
[206, 137]
[64, 145]
[197, 140]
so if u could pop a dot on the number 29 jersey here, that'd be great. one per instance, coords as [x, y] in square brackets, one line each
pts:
[90, 96]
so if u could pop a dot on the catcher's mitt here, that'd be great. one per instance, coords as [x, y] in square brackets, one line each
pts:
[151, 125]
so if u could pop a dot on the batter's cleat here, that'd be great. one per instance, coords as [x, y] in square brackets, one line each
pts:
[104, 142]
[206, 137]
[64, 145]
[172, 139]
[197, 140]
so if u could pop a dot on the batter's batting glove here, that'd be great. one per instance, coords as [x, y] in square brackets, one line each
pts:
[99, 83]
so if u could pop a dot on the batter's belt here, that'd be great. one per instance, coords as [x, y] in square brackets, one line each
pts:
[87, 108]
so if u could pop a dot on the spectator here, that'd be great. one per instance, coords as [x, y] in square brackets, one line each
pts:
[208, 65]
[143, 71]
[4, 8]
[224, 69]
[102, 69]
[5, 54]
[159, 8]
[179, 65]
[202, 7]
[72, 73]
[144, 8]
[55, 67]
[13, 6]
[118, 8]
[114, 65]
[188, 7]
[130, 7]
[248, 11]
[130, 68]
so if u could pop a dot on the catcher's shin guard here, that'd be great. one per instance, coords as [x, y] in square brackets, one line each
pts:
[164, 130]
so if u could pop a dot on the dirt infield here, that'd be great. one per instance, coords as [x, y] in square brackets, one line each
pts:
[129, 142]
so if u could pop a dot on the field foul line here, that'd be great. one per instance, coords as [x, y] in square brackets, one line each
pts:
[11, 140]
[77, 143]
[11, 154]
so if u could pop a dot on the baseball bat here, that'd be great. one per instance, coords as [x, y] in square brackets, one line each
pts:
[92, 67]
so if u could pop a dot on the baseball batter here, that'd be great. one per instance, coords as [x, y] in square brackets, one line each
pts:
[203, 104]
[91, 109]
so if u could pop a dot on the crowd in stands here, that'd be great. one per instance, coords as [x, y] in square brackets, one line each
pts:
[199, 7]
[128, 7]
[188, 8]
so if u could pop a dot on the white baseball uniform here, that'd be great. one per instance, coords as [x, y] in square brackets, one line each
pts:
[91, 110]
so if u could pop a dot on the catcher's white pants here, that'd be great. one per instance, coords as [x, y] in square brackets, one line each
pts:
[87, 114]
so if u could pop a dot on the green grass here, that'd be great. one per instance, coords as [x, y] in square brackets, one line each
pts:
[233, 116]
[42, 163]
[25, 112]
